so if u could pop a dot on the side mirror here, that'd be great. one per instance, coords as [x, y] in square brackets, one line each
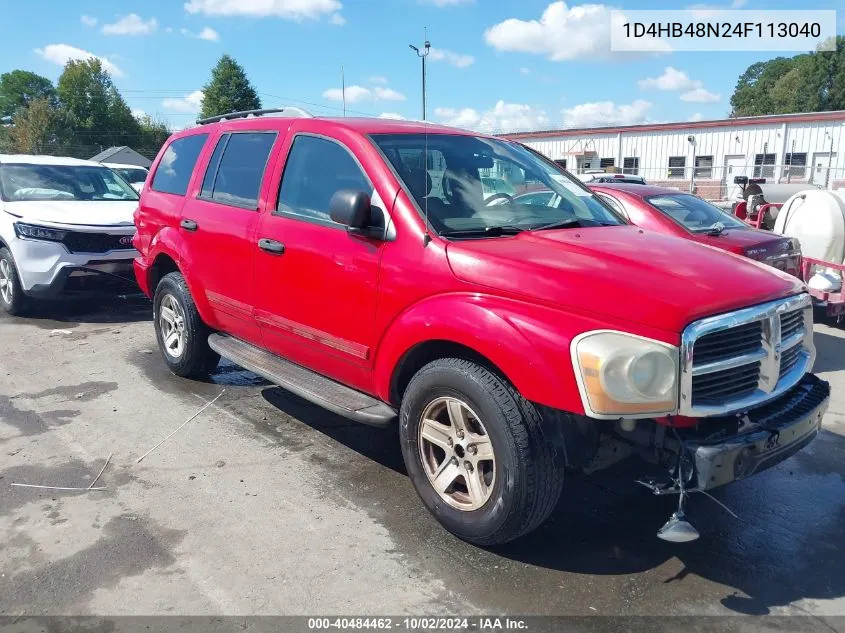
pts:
[351, 208]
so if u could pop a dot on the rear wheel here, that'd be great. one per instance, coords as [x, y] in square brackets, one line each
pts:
[12, 298]
[475, 452]
[181, 334]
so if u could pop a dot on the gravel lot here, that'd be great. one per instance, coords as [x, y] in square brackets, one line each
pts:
[268, 505]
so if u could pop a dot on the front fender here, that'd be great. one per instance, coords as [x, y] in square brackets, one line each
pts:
[514, 336]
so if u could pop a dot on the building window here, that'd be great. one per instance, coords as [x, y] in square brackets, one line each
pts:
[631, 165]
[561, 162]
[703, 166]
[604, 163]
[764, 165]
[677, 165]
[796, 165]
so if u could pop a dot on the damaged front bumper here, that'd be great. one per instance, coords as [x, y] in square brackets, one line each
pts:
[765, 436]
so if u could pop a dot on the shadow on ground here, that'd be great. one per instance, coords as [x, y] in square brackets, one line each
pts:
[71, 313]
[786, 546]
[830, 352]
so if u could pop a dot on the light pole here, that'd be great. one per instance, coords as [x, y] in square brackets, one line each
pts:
[691, 140]
[422, 55]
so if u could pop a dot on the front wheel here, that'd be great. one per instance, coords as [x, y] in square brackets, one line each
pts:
[475, 452]
[181, 334]
[12, 298]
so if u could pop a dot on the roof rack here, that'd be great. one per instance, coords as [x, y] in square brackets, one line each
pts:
[291, 111]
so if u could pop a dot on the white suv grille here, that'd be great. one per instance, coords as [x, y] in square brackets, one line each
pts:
[737, 360]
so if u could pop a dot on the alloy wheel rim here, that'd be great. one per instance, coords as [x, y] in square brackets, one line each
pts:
[457, 453]
[171, 322]
[6, 288]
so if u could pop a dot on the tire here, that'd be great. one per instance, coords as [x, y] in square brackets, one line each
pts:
[190, 356]
[521, 483]
[12, 298]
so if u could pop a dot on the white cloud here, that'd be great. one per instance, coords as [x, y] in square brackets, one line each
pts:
[138, 113]
[700, 95]
[696, 117]
[354, 94]
[671, 79]
[378, 79]
[131, 24]
[337, 19]
[563, 33]
[188, 104]
[677, 80]
[524, 70]
[88, 20]
[503, 117]
[456, 59]
[168, 29]
[62, 53]
[387, 94]
[391, 115]
[604, 113]
[287, 9]
[208, 34]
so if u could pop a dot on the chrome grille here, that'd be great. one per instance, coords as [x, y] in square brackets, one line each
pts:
[790, 323]
[727, 383]
[718, 346]
[743, 358]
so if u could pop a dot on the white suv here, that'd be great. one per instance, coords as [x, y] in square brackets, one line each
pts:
[66, 229]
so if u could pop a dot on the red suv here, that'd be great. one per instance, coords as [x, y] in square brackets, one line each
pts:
[357, 263]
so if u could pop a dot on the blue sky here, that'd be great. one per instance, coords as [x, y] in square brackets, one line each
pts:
[495, 65]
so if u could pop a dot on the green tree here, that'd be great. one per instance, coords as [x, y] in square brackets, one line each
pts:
[229, 90]
[19, 88]
[154, 132]
[37, 129]
[811, 82]
[96, 114]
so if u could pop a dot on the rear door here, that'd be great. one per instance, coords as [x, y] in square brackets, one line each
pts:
[316, 284]
[219, 223]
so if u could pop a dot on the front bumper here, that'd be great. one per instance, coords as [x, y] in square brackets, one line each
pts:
[47, 270]
[768, 435]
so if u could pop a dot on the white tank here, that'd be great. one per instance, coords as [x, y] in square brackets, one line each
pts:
[816, 217]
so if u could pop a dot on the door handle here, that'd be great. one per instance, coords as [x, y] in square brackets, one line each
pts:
[271, 246]
[189, 225]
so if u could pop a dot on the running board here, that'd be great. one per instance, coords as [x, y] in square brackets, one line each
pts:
[303, 382]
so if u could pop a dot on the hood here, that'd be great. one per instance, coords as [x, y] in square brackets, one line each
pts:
[750, 242]
[75, 212]
[623, 272]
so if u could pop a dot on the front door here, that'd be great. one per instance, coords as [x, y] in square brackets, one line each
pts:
[821, 168]
[316, 284]
[219, 224]
[734, 166]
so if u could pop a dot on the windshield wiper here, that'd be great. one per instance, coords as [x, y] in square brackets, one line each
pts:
[487, 231]
[570, 224]
[716, 229]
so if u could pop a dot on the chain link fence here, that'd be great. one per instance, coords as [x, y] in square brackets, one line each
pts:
[717, 182]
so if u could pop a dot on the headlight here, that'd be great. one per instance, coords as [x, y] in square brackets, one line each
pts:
[35, 232]
[622, 375]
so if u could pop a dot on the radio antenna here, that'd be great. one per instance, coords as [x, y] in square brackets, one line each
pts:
[422, 54]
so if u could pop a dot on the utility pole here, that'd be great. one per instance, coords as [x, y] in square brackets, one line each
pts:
[343, 88]
[422, 55]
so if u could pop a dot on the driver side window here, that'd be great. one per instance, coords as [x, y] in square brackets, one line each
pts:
[316, 169]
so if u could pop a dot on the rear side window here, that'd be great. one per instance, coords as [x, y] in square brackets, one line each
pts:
[242, 158]
[176, 166]
[315, 170]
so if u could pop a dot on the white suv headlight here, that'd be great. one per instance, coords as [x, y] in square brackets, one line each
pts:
[623, 375]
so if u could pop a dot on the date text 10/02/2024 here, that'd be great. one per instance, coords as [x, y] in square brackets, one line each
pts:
[481, 623]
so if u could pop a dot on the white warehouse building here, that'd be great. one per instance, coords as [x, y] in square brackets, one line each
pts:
[705, 156]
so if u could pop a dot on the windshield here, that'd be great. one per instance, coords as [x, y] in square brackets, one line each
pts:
[694, 213]
[30, 183]
[130, 174]
[471, 184]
